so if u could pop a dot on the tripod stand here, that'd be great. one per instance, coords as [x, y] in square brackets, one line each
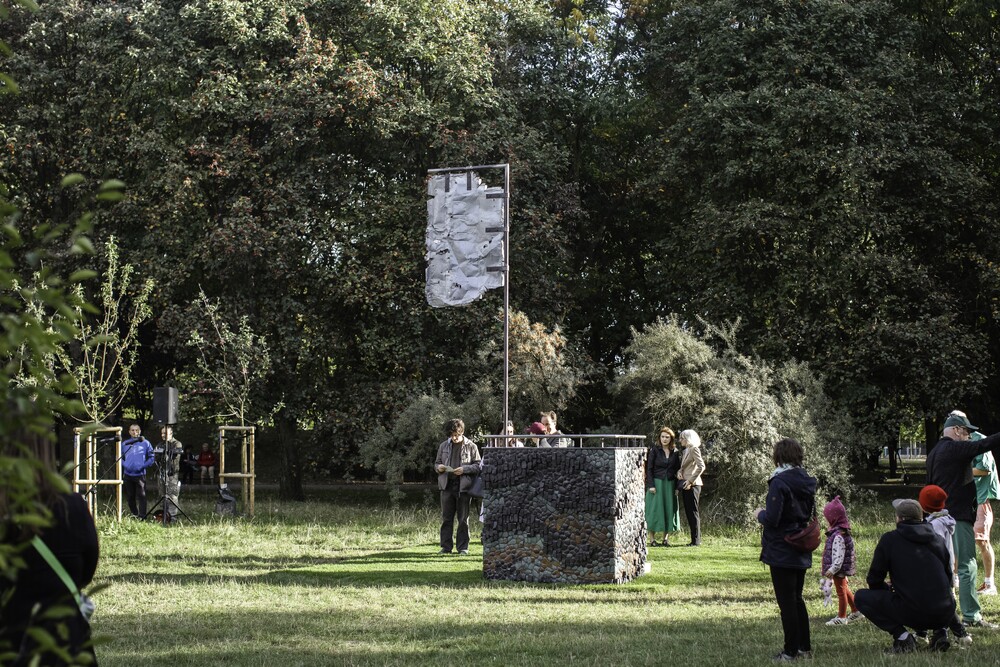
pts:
[167, 473]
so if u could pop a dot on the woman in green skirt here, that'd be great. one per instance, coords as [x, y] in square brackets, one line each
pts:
[662, 509]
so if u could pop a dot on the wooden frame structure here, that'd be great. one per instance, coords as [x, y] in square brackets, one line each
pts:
[87, 463]
[246, 474]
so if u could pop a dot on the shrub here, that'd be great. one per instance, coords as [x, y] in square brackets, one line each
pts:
[740, 405]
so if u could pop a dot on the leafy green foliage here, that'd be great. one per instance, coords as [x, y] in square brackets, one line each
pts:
[39, 315]
[819, 180]
[232, 361]
[739, 405]
[823, 172]
[546, 370]
[105, 350]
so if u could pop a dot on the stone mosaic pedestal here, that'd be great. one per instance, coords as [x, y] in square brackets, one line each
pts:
[573, 516]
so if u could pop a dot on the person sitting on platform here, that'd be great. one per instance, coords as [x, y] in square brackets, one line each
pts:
[207, 460]
[548, 420]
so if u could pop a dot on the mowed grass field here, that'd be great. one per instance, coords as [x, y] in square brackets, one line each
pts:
[344, 579]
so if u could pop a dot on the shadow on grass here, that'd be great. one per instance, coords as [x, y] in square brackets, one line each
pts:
[334, 633]
[423, 566]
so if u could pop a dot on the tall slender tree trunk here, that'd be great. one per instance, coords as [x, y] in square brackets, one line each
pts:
[290, 482]
[932, 433]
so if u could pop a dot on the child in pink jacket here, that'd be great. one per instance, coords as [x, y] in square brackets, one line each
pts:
[839, 561]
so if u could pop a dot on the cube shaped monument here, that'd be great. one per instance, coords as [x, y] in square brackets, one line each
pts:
[573, 516]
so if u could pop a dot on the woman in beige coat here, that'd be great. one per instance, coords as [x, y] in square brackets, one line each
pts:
[689, 481]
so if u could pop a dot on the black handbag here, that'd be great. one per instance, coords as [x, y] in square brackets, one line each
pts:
[477, 489]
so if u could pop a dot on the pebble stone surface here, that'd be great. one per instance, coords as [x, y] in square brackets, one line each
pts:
[571, 516]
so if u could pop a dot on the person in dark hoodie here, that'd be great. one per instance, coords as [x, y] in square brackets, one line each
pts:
[137, 457]
[919, 597]
[791, 501]
[39, 618]
[949, 465]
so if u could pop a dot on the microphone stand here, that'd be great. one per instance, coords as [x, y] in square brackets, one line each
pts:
[165, 471]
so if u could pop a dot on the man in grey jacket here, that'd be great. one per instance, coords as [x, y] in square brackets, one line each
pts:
[457, 464]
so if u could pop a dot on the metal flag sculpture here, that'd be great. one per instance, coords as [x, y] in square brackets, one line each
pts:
[465, 238]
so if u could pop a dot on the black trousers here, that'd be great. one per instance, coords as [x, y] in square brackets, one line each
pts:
[454, 503]
[692, 497]
[788, 585]
[890, 613]
[135, 489]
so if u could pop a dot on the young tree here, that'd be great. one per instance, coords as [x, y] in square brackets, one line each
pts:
[105, 351]
[233, 361]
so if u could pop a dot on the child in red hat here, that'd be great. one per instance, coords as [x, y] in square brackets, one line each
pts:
[932, 499]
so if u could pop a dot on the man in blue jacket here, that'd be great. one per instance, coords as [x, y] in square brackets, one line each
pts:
[137, 456]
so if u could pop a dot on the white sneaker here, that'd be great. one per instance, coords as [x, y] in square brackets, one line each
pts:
[837, 620]
[987, 590]
[854, 616]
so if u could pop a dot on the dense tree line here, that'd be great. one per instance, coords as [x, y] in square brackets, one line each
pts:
[822, 171]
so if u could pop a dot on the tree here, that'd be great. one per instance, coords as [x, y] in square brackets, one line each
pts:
[104, 353]
[232, 362]
[816, 177]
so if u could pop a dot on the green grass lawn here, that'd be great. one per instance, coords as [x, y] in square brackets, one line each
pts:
[347, 580]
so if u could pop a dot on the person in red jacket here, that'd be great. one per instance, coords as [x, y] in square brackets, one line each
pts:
[207, 462]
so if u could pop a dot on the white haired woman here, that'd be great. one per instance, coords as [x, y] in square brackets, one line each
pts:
[689, 481]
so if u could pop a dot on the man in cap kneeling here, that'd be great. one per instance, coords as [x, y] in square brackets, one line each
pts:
[919, 597]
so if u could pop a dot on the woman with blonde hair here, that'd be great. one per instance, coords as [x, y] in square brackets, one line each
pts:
[662, 510]
[689, 481]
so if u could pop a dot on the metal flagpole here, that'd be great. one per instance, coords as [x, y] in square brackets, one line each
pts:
[506, 296]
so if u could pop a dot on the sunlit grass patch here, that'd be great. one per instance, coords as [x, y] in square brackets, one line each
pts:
[342, 583]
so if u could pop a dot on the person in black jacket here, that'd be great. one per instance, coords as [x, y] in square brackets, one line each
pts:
[790, 505]
[916, 560]
[949, 465]
[72, 538]
[662, 509]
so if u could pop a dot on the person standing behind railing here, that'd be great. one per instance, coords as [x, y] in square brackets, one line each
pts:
[548, 420]
[510, 442]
